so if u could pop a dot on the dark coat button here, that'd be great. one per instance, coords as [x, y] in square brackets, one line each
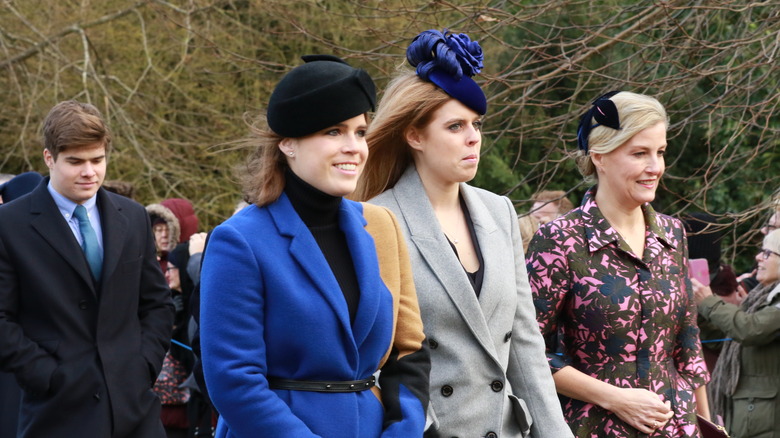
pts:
[96, 395]
[446, 390]
[496, 386]
[83, 304]
[434, 345]
[507, 336]
[491, 435]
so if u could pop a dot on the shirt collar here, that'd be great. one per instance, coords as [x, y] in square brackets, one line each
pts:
[602, 234]
[66, 206]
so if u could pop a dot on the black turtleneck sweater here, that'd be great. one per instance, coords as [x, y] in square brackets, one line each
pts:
[320, 212]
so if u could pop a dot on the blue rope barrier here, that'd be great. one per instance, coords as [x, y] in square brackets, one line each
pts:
[181, 345]
[717, 340]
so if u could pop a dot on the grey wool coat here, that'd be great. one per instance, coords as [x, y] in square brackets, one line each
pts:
[489, 373]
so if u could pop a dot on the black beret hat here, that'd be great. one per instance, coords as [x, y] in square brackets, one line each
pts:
[320, 93]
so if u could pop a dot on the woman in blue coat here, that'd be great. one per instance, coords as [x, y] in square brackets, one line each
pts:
[301, 308]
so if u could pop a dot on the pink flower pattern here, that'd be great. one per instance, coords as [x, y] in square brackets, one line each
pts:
[625, 320]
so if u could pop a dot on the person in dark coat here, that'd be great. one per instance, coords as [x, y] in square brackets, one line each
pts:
[19, 186]
[85, 312]
[10, 395]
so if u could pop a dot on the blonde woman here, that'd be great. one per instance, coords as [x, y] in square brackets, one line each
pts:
[611, 289]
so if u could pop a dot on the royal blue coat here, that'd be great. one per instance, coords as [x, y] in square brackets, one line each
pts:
[271, 306]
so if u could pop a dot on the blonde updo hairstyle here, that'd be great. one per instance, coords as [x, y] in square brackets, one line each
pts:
[637, 112]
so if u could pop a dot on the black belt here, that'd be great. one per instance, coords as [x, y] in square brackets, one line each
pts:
[322, 386]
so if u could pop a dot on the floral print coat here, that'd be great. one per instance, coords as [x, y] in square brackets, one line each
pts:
[625, 320]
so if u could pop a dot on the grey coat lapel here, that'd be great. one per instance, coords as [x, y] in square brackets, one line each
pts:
[426, 234]
[489, 245]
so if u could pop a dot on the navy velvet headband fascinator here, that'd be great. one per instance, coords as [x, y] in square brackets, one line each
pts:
[606, 114]
[449, 60]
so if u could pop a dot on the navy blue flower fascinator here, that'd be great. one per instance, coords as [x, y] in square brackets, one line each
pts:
[449, 60]
[606, 114]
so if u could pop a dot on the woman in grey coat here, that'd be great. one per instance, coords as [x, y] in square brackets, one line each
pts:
[489, 375]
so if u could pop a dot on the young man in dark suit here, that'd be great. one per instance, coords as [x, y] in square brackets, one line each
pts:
[85, 312]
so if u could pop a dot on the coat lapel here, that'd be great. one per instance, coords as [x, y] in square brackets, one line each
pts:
[49, 223]
[426, 234]
[306, 252]
[115, 226]
[364, 257]
[490, 247]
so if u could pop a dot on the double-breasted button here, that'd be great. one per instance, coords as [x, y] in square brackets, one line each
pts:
[446, 390]
[496, 386]
[507, 336]
[433, 344]
[83, 304]
[491, 435]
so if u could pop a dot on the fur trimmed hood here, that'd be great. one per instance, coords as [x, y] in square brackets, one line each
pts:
[174, 230]
[185, 212]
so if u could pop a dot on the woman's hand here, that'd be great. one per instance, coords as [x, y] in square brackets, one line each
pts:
[197, 243]
[746, 275]
[640, 408]
[700, 291]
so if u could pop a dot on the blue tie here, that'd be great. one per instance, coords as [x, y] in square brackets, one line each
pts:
[89, 242]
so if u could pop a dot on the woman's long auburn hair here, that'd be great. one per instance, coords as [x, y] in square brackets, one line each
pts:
[262, 176]
[408, 102]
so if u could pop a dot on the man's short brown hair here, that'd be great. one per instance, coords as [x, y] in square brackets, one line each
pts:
[72, 124]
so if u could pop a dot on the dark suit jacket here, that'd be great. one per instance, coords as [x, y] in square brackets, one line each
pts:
[85, 354]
